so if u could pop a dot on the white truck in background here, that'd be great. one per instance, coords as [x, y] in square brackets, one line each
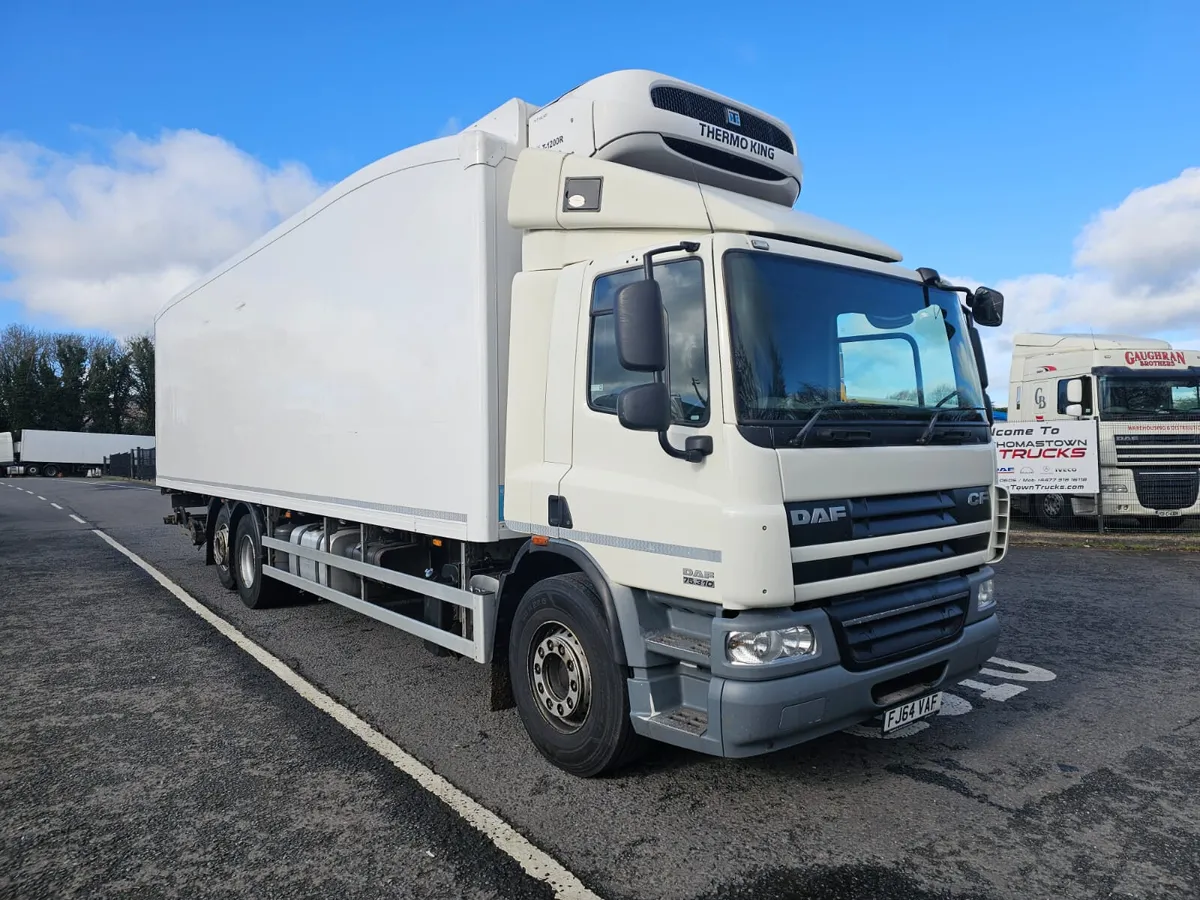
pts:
[1144, 395]
[577, 394]
[54, 453]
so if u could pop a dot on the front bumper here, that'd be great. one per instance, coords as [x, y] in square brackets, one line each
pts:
[761, 716]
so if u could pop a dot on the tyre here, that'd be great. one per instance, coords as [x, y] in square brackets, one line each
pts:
[256, 591]
[222, 542]
[51, 471]
[1051, 509]
[33, 471]
[569, 692]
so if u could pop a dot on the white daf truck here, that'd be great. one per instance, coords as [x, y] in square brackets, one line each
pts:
[53, 453]
[1145, 397]
[577, 394]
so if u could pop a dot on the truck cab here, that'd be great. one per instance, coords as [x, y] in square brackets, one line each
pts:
[1144, 396]
[770, 437]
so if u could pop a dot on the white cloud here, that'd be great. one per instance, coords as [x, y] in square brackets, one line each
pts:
[1136, 271]
[103, 243]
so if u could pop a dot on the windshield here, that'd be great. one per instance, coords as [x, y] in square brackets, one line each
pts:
[1154, 397]
[809, 335]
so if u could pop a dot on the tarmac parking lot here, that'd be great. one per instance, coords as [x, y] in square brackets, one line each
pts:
[145, 753]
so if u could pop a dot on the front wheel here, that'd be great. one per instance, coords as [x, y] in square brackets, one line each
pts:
[570, 693]
[1051, 509]
[33, 471]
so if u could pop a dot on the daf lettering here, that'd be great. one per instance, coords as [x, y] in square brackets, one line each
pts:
[817, 516]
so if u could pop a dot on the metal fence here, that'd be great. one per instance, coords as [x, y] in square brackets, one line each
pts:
[1144, 477]
[138, 463]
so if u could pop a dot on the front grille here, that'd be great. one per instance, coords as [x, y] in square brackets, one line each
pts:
[706, 109]
[879, 516]
[891, 624]
[1165, 449]
[1166, 489]
[815, 522]
[1125, 440]
[881, 560]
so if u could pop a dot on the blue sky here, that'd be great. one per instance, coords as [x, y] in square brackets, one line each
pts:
[977, 138]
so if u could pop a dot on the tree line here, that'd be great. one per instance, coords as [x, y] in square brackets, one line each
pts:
[62, 381]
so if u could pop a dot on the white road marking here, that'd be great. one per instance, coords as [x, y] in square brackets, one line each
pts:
[536, 863]
[1021, 671]
[77, 519]
[56, 506]
[40, 497]
[999, 692]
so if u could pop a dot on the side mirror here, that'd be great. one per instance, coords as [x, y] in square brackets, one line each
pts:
[1075, 410]
[988, 307]
[640, 332]
[1074, 393]
[645, 407]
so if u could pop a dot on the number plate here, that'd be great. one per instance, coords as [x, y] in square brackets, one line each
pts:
[899, 716]
[1168, 513]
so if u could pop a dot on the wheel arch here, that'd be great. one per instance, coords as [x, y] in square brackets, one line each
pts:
[534, 563]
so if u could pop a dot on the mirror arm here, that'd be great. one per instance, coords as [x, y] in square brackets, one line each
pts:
[693, 454]
[648, 257]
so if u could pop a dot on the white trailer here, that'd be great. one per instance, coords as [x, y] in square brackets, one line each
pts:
[577, 394]
[54, 453]
[1144, 395]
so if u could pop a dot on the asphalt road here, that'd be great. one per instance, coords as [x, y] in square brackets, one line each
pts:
[141, 752]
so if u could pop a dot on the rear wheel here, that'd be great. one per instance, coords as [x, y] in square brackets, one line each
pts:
[222, 546]
[51, 471]
[569, 691]
[256, 591]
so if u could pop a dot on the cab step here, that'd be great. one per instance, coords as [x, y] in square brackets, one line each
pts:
[679, 645]
[682, 718]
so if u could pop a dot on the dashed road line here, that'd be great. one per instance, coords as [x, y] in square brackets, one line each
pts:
[534, 861]
[77, 519]
[56, 506]
[40, 497]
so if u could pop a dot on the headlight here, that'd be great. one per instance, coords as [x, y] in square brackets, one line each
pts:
[1114, 488]
[757, 648]
[986, 598]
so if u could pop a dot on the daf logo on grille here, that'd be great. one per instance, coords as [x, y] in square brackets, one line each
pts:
[733, 117]
[818, 515]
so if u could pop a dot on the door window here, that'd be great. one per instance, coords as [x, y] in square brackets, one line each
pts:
[682, 285]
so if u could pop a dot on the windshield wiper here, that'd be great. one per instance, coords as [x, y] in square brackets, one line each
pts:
[802, 434]
[927, 436]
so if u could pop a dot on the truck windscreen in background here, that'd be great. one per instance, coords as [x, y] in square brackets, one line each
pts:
[809, 335]
[1157, 396]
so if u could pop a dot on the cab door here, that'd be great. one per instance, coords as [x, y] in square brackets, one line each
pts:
[649, 519]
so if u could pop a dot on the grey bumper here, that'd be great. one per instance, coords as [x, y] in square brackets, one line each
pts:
[760, 716]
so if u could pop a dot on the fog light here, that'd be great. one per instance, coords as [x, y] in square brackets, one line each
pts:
[1114, 488]
[758, 648]
[986, 597]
